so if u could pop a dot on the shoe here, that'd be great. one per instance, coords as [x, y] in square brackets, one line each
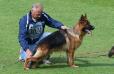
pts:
[20, 59]
[22, 56]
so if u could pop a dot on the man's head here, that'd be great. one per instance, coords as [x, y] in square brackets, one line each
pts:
[36, 10]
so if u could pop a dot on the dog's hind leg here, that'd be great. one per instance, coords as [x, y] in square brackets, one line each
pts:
[28, 61]
[38, 56]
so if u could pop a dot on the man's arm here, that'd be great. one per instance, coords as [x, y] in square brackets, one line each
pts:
[22, 33]
[52, 22]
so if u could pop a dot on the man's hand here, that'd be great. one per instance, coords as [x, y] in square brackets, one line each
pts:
[64, 27]
[29, 53]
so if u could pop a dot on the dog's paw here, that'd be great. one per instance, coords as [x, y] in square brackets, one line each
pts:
[26, 68]
[74, 66]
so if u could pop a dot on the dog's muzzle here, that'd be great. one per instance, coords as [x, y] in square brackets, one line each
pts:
[89, 29]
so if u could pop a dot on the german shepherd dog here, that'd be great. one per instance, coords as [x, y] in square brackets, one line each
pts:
[111, 52]
[68, 40]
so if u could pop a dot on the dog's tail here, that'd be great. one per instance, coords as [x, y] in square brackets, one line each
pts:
[111, 52]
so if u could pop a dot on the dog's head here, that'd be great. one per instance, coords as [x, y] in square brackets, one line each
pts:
[86, 27]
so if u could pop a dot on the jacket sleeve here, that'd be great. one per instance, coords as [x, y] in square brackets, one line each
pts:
[22, 33]
[52, 22]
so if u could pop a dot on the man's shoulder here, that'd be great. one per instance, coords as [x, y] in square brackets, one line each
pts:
[23, 20]
[45, 15]
[24, 17]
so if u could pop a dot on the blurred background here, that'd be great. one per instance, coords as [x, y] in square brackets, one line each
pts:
[91, 56]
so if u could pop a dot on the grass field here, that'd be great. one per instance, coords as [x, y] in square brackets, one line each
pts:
[90, 56]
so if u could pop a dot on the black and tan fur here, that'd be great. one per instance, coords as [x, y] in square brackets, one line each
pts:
[67, 40]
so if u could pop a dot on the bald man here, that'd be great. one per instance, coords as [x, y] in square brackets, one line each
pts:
[31, 29]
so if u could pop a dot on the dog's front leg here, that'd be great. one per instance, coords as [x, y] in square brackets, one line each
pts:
[70, 57]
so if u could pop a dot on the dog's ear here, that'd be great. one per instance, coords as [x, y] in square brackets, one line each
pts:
[85, 15]
[82, 17]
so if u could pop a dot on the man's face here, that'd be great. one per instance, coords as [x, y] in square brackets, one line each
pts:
[36, 12]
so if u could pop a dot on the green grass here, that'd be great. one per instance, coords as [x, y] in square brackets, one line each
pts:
[89, 56]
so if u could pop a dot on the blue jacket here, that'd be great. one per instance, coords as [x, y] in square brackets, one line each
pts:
[45, 19]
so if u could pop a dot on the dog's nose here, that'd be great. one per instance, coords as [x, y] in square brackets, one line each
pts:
[93, 27]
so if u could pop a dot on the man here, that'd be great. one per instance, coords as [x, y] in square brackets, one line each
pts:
[31, 29]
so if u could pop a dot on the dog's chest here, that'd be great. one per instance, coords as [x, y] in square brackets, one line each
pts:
[76, 42]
